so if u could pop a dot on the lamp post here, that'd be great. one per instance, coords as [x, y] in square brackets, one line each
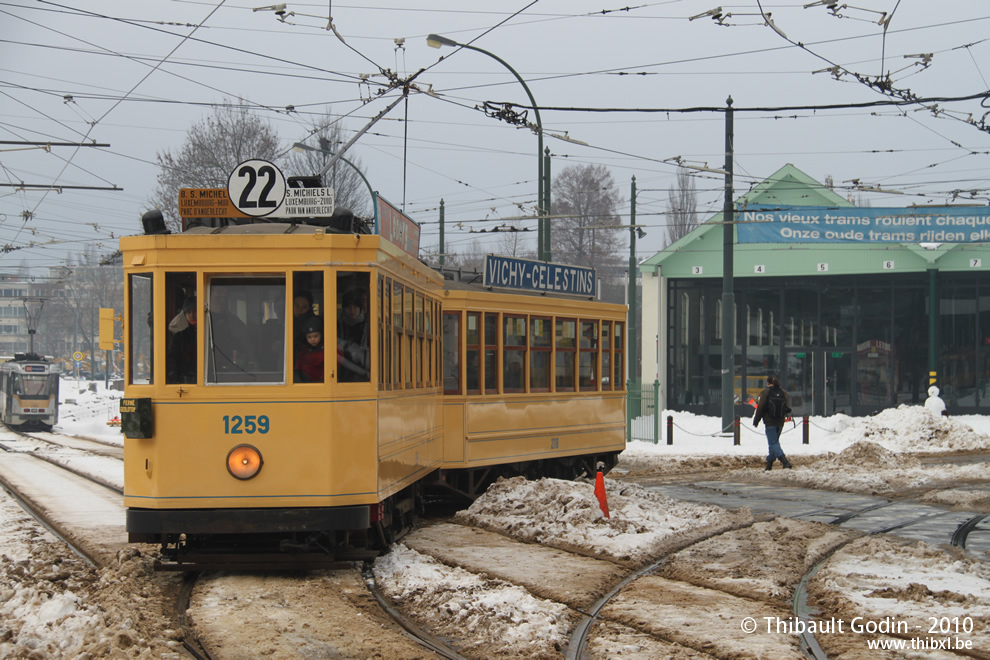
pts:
[542, 186]
[32, 307]
[300, 147]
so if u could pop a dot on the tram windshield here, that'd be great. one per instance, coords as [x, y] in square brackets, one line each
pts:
[245, 335]
[32, 385]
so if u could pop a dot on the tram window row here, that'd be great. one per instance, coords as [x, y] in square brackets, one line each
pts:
[249, 322]
[512, 353]
[248, 325]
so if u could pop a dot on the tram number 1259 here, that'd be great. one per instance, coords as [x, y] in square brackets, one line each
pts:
[235, 424]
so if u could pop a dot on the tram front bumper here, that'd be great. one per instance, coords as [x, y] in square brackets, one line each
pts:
[153, 523]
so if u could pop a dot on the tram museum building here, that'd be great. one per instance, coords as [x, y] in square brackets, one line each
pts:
[849, 327]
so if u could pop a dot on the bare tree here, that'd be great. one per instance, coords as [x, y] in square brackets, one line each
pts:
[71, 318]
[682, 210]
[469, 257]
[512, 243]
[213, 148]
[585, 227]
[351, 189]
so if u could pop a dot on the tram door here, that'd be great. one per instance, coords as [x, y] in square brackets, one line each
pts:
[819, 381]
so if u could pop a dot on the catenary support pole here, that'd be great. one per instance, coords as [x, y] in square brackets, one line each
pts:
[728, 296]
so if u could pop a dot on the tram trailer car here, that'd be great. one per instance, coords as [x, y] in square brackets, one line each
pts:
[234, 455]
[29, 392]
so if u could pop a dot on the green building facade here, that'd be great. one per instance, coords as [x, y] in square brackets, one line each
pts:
[849, 328]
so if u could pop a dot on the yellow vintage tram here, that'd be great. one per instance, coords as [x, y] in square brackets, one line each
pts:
[247, 443]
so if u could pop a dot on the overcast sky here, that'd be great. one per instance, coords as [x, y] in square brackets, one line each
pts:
[137, 75]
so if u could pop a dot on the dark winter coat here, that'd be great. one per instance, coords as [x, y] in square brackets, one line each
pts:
[762, 412]
[180, 359]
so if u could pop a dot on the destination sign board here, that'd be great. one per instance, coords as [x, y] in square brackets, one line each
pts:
[215, 203]
[816, 224]
[306, 202]
[512, 273]
[207, 203]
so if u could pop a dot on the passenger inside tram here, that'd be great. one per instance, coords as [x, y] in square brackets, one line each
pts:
[309, 359]
[352, 339]
[181, 353]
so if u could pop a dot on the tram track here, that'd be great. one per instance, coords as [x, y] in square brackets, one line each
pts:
[584, 631]
[59, 460]
[580, 643]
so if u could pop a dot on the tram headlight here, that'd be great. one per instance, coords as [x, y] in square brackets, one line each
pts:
[244, 462]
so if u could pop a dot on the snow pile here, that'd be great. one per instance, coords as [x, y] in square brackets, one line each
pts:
[567, 515]
[914, 429]
[863, 454]
[54, 606]
[454, 601]
[85, 409]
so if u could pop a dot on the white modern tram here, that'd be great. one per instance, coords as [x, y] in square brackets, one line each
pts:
[29, 391]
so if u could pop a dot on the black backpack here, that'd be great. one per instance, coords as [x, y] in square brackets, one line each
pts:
[776, 404]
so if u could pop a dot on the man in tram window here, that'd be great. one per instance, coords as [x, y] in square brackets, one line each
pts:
[181, 354]
[352, 340]
[309, 359]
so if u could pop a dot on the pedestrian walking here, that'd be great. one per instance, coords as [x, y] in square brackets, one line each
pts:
[773, 407]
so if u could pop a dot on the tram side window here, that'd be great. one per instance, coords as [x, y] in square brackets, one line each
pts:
[141, 345]
[408, 342]
[588, 356]
[397, 361]
[540, 345]
[565, 344]
[514, 338]
[619, 342]
[234, 318]
[452, 353]
[353, 333]
[384, 355]
[606, 355]
[430, 356]
[473, 365]
[419, 343]
[307, 302]
[491, 353]
[181, 356]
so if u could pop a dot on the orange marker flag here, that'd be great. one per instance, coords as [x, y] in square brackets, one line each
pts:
[600, 494]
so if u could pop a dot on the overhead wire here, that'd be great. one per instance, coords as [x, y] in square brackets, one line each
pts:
[631, 155]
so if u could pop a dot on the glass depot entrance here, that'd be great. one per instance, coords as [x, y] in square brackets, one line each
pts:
[852, 345]
[819, 381]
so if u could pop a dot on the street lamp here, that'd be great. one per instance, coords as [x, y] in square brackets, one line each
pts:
[542, 187]
[32, 307]
[299, 147]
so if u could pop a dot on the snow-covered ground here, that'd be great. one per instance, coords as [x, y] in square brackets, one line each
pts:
[858, 454]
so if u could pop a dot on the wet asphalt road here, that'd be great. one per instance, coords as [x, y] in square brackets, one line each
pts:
[868, 513]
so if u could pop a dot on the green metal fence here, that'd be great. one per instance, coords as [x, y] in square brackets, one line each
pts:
[643, 411]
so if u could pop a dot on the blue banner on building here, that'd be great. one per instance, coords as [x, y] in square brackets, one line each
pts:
[817, 224]
[511, 273]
